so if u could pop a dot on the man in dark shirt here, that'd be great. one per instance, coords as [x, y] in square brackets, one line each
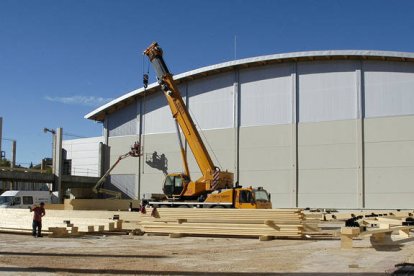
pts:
[39, 212]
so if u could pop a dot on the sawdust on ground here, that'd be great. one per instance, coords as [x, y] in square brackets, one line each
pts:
[160, 255]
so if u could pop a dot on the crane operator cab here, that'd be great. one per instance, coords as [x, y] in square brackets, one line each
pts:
[174, 184]
[249, 198]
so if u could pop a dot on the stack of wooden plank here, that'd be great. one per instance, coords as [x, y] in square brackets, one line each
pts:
[178, 221]
[379, 229]
[266, 224]
[55, 221]
[364, 214]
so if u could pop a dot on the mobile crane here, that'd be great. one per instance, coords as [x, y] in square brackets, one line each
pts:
[214, 188]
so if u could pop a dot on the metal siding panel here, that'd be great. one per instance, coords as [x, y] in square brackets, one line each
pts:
[327, 91]
[124, 121]
[138, 117]
[327, 164]
[266, 95]
[84, 154]
[389, 129]
[161, 144]
[119, 146]
[211, 101]
[125, 183]
[389, 161]
[221, 146]
[389, 88]
[328, 188]
[157, 115]
[266, 160]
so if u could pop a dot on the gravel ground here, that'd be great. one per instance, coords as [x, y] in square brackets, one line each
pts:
[160, 255]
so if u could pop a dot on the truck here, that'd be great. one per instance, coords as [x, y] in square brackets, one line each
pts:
[215, 188]
[25, 199]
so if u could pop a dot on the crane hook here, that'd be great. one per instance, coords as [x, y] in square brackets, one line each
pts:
[145, 80]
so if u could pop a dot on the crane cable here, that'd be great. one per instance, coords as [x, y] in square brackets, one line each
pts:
[204, 136]
[145, 75]
[145, 79]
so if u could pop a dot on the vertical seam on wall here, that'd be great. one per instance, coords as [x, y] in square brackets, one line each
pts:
[362, 104]
[295, 120]
[360, 134]
[106, 131]
[140, 158]
[236, 123]
[142, 126]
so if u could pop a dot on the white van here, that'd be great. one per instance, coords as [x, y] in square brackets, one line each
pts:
[24, 199]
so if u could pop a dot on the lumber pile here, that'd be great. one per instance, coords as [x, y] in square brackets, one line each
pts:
[364, 214]
[379, 229]
[61, 223]
[265, 224]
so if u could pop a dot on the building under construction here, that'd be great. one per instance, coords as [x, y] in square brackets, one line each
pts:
[316, 129]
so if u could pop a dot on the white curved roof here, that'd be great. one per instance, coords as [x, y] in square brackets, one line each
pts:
[99, 113]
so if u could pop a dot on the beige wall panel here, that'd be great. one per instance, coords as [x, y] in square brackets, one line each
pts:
[266, 136]
[389, 161]
[389, 154]
[266, 160]
[226, 158]
[326, 200]
[220, 144]
[219, 139]
[337, 156]
[332, 132]
[151, 178]
[276, 182]
[336, 181]
[334, 188]
[121, 145]
[389, 129]
[166, 144]
[266, 148]
[327, 162]
[327, 145]
[152, 183]
[399, 200]
[390, 180]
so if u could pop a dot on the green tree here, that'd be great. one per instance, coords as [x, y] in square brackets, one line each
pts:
[4, 162]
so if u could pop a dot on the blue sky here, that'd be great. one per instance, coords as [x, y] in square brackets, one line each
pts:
[60, 59]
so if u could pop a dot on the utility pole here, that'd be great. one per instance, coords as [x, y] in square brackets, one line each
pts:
[59, 163]
[13, 157]
[53, 132]
[1, 134]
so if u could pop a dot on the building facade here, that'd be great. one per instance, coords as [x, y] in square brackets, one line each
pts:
[319, 129]
[83, 154]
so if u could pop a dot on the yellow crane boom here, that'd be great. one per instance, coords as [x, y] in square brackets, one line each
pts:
[212, 178]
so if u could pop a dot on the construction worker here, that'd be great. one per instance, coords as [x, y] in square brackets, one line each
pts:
[39, 212]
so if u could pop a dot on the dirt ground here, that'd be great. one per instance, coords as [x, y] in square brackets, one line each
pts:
[161, 255]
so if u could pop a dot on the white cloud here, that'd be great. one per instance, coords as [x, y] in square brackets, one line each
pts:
[80, 100]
